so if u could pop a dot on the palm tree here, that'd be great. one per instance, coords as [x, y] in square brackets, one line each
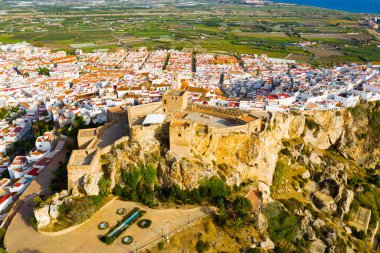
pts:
[236, 225]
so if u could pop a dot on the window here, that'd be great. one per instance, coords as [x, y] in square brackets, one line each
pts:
[179, 135]
[165, 101]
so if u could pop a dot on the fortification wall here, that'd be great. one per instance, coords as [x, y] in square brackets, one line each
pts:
[77, 173]
[108, 148]
[174, 102]
[141, 110]
[217, 111]
[256, 126]
[229, 130]
[142, 133]
[121, 115]
[181, 139]
[85, 136]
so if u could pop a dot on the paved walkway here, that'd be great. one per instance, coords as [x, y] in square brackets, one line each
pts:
[23, 238]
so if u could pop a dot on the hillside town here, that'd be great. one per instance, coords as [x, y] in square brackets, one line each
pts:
[38, 84]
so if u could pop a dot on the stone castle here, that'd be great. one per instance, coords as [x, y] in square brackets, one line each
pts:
[174, 121]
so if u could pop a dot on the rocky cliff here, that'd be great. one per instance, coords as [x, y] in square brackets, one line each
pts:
[238, 157]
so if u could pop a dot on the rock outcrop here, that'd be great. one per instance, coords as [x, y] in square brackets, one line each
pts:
[42, 216]
[49, 212]
[237, 157]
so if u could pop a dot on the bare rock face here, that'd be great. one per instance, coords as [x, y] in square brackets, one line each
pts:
[90, 184]
[267, 244]
[237, 156]
[50, 211]
[317, 246]
[262, 223]
[318, 224]
[345, 202]
[265, 192]
[317, 138]
[42, 216]
[54, 209]
[324, 202]
[314, 158]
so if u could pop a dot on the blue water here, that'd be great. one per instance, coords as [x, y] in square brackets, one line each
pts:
[364, 6]
[122, 225]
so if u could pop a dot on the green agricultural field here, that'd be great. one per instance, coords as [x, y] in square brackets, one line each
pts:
[228, 28]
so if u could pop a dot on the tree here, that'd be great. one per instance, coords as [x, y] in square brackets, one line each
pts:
[131, 178]
[37, 201]
[40, 127]
[117, 190]
[213, 188]
[237, 224]
[149, 174]
[104, 187]
[43, 71]
[202, 246]
[242, 206]
[282, 225]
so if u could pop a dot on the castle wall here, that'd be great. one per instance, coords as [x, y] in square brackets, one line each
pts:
[256, 126]
[174, 103]
[85, 139]
[119, 115]
[181, 138]
[108, 148]
[217, 111]
[142, 133]
[229, 130]
[142, 110]
[76, 173]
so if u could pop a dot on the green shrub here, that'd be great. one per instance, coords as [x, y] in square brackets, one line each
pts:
[161, 245]
[117, 190]
[282, 225]
[104, 187]
[79, 209]
[202, 246]
[292, 204]
[108, 240]
[358, 234]
[286, 152]
[279, 173]
[311, 124]
[37, 201]
[242, 206]
[33, 222]
[213, 188]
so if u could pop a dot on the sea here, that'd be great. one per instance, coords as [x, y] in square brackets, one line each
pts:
[361, 6]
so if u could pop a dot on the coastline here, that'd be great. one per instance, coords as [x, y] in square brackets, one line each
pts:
[354, 7]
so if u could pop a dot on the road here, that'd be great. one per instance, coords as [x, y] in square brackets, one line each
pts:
[374, 33]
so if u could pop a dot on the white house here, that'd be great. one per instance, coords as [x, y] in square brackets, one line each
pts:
[6, 200]
[18, 167]
[44, 143]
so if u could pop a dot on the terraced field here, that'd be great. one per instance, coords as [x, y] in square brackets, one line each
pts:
[222, 28]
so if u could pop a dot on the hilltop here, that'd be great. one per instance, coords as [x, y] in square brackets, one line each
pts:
[312, 168]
